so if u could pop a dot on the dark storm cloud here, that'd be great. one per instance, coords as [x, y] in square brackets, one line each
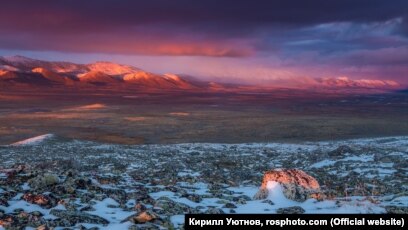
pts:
[219, 18]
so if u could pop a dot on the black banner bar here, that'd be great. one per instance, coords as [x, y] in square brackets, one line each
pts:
[295, 221]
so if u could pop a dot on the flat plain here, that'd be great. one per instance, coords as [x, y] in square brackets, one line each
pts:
[213, 117]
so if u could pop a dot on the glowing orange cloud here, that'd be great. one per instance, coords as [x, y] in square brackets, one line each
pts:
[145, 45]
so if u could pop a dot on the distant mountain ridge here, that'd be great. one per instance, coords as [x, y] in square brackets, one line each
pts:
[20, 71]
[362, 83]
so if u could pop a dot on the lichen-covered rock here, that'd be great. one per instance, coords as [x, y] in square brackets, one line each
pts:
[139, 207]
[118, 195]
[43, 181]
[291, 210]
[82, 183]
[268, 202]
[74, 217]
[296, 184]
[31, 219]
[242, 199]
[341, 150]
[214, 211]
[6, 221]
[3, 202]
[396, 210]
[229, 205]
[142, 217]
[261, 194]
[193, 197]
[167, 206]
[43, 227]
[47, 201]
[107, 179]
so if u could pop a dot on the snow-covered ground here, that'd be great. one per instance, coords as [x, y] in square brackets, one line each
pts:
[357, 176]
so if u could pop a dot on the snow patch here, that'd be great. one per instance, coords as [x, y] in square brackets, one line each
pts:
[323, 163]
[34, 140]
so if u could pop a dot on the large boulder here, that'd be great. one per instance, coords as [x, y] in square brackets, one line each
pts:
[297, 185]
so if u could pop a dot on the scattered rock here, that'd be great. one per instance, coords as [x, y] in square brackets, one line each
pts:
[140, 207]
[167, 206]
[46, 201]
[82, 183]
[107, 180]
[87, 208]
[268, 202]
[74, 217]
[193, 197]
[118, 195]
[229, 205]
[25, 218]
[341, 150]
[43, 181]
[214, 211]
[6, 221]
[36, 213]
[241, 199]
[3, 202]
[142, 217]
[93, 175]
[291, 210]
[43, 227]
[396, 210]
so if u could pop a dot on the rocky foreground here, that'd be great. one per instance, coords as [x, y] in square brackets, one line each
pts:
[50, 182]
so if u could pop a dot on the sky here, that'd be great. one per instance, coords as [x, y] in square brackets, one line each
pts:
[262, 42]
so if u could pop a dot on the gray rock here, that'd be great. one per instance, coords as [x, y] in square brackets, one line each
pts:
[229, 205]
[43, 181]
[268, 202]
[341, 150]
[75, 217]
[214, 211]
[165, 205]
[291, 210]
[43, 227]
[261, 194]
[193, 197]
[142, 217]
[36, 213]
[396, 210]
[4, 202]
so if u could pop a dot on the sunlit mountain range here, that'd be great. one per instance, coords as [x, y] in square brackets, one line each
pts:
[20, 71]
